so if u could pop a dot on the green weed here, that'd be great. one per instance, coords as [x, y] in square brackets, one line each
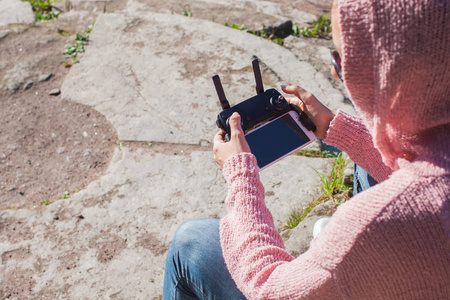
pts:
[262, 33]
[66, 195]
[314, 153]
[81, 39]
[298, 215]
[187, 13]
[80, 189]
[43, 9]
[319, 28]
[72, 51]
[334, 188]
[121, 145]
[47, 201]
[69, 64]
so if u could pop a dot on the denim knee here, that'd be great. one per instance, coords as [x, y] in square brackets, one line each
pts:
[194, 236]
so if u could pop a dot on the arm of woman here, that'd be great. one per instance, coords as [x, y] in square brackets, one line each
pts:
[346, 132]
[349, 134]
[252, 247]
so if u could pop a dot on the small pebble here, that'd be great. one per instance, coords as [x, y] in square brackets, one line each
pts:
[45, 77]
[348, 172]
[61, 150]
[54, 92]
[28, 85]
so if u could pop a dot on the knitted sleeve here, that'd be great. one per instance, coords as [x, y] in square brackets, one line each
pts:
[253, 249]
[349, 134]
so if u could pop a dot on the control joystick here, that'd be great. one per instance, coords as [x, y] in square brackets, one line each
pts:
[278, 102]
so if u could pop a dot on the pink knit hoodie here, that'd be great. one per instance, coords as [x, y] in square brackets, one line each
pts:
[393, 240]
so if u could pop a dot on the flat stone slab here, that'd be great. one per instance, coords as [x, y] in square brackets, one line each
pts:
[111, 239]
[154, 84]
[15, 12]
[148, 70]
[253, 14]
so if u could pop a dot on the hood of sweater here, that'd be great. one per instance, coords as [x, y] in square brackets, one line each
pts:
[396, 67]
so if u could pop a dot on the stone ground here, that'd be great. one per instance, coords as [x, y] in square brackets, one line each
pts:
[96, 178]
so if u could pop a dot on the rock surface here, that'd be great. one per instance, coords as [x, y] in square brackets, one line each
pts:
[148, 70]
[139, 83]
[15, 12]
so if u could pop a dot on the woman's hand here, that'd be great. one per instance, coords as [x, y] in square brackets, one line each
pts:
[237, 144]
[316, 111]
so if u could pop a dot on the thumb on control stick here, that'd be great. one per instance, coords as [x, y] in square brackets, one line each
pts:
[236, 131]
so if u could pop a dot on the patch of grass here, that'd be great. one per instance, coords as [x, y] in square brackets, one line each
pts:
[262, 33]
[66, 195]
[80, 189]
[72, 51]
[69, 64]
[298, 215]
[121, 145]
[43, 9]
[334, 188]
[187, 13]
[314, 153]
[47, 201]
[319, 28]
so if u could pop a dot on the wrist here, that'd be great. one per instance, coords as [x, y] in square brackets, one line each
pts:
[243, 163]
[329, 119]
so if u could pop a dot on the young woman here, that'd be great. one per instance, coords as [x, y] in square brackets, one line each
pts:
[391, 241]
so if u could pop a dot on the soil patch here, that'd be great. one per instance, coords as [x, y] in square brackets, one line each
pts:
[49, 148]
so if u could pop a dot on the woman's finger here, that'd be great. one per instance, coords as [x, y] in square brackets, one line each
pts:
[219, 138]
[235, 126]
[300, 92]
[296, 101]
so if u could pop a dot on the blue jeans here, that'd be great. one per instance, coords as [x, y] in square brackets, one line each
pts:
[361, 180]
[195, 268]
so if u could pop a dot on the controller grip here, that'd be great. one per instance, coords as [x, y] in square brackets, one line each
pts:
[225, 128]
[304, 119]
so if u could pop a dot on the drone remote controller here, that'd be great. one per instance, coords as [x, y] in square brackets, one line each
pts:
[257, 110]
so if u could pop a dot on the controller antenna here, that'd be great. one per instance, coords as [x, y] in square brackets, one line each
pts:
[258, 78]
[219, 89]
